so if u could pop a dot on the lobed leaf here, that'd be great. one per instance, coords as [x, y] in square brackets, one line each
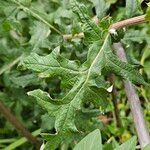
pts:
[85, 88]
[53, 65]
[86, 82]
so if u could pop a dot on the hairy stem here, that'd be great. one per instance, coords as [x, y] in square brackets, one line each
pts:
[19, 126]
[128, 22]
[135, 106]
[114, 101]
[117, 25]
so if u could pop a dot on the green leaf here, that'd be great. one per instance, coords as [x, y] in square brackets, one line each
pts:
[66, 112]
[147, 68]
[129, 145]
[7, 7]
[21, 141]
[91, 142]
[132, 35]
[132, 7]
[101, 7]
[91, 31]
[85, 82]
[39, 33]
[47, 122]
[53, 65]
[74, 94]
[146, 55]
[147, 147]
[87, 85]
[31, 11]
[7, 67]
[54, 140]
[25, 80]
[148, 13]
[123, 69]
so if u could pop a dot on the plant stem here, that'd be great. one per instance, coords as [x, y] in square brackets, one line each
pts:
[2, 141]
[21, 141]
[114, 101]
[117, 25]
[128, 22]
[135, 106]
[70, 36]
[37, 16]
[10, 65]
[18, 125]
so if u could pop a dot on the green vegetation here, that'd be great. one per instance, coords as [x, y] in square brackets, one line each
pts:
[62, 64]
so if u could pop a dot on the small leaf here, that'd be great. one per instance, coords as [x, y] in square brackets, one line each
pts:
[146, 55]
[132, 35]
[132, 7]
[147, 68]
[91, 142]
[129, 145]
[101, 7]
[125, 70]
[47, 122]
[25, 80]
[65, 114]
[54, 140]
[147, 147]
[148, 13]
[91, 30]
[39, 32]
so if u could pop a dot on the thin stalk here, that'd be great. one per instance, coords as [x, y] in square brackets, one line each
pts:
[115, 26]
[10, 65]
[18, 125]
[134, 101]
[21, 141]
[114, 101]
[26, 9]
[128, 22]
[7, 140]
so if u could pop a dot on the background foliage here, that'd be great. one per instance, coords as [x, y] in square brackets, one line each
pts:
[34, 55]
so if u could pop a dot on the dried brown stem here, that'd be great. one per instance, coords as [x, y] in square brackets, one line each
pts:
[18, 125]
[135, 106]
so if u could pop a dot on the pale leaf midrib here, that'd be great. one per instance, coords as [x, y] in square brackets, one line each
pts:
[88, 75]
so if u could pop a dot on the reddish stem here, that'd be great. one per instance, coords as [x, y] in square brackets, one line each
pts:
[134, 101]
